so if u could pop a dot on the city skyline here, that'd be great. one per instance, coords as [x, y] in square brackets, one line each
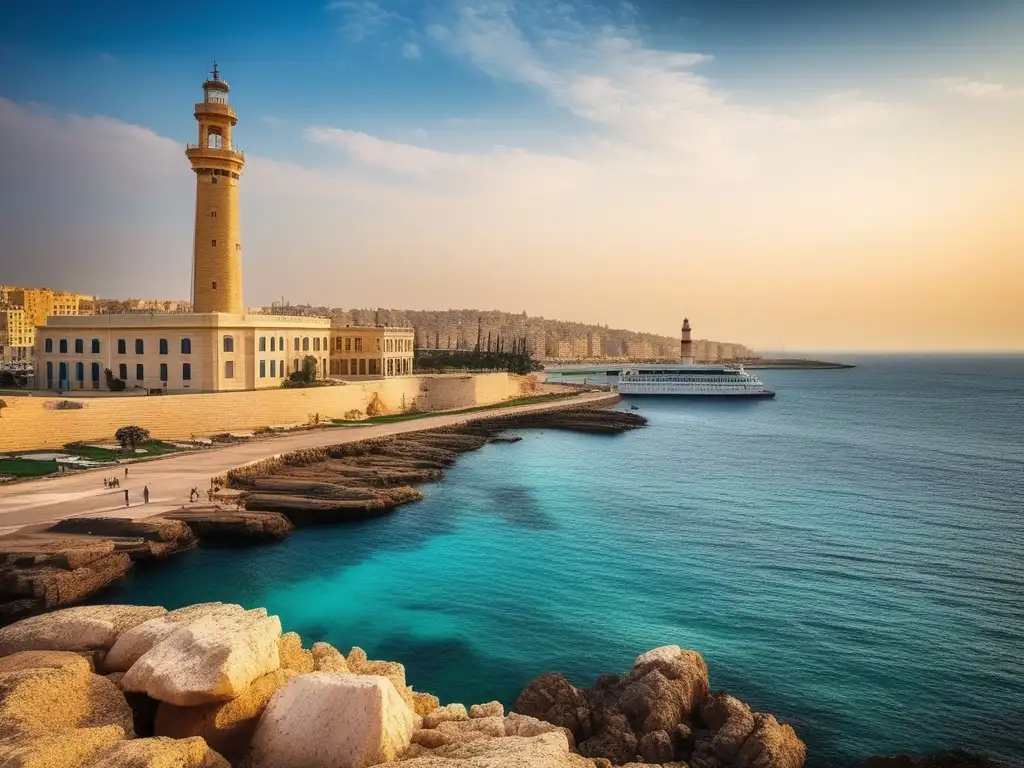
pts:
[797, 174]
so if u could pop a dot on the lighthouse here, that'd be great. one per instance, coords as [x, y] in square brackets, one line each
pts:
[217, 247]
[685, 345]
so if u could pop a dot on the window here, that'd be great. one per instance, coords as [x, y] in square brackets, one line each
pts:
[281, 368]
[305, 343]
[273, 367]
[359, 344]
[316, 344]
[263, 343]
[186, 371]
[139, 347]
[62, 375]
[79, 346]
[296, 343]
[280, 343]
[348, 343]
[163, 351]
[229, 343]
[63, 346]
[49, 374]
[229, 369]
[186, 346]
[295, 363]
[122, 372]
[79, 372]
[95, 374]
[48, 347]
[213, 214]
[140, 371]
[163, 372]
[95, 346]
[272, 340]
[327, 345]
[263, 369]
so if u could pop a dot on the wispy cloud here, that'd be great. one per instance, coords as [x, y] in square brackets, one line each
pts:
[363, 18]
[411, 51]
[272, 120]
[980, 89]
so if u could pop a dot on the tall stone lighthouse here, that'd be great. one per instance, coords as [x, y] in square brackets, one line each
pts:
[217, 255]
[685, 345]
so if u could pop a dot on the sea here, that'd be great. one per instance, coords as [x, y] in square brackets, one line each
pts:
[848, 556]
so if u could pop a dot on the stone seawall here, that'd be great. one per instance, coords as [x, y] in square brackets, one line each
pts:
[30, 423]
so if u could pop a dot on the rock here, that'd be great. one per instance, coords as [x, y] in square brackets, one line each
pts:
[143, 711]
[524, 725]
[233, 526]
[552, 698]
[771, 745]
[731, 720]
[53, 587]
[159, 752]
[325, 720]
[214, 658]
[682, 740]
[615, 741]
[424, 703]
[154, 537]
[652, 703]
[548, 750]
[655, 747]
[45, 660]
[133, 643]
[83, 628]
[327, 658]
[63, 748]
[954, 759]
[491, 709]
[457, 732]
[447, 713]
[226, 726]
[686, 672]
[50, 699]
[293, 655]
[357, 656]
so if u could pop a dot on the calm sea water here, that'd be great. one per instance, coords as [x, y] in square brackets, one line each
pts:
[848, 556]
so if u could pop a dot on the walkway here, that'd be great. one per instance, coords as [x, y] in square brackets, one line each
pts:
[170, 478]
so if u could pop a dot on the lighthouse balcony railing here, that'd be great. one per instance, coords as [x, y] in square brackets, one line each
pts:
[216, 151]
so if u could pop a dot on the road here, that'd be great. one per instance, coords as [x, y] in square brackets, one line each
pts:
[171, 478]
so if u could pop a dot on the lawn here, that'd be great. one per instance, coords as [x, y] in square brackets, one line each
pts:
[27, 467]
[423, 414]
[93, 453]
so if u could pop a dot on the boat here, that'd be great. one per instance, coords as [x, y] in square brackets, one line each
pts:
[690, 381]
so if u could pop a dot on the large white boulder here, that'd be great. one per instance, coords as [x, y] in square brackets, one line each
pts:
[133, 643]
[330, 720]
[214, 658]
[85, 628]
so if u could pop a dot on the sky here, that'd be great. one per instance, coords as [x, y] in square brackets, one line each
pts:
[798, 174]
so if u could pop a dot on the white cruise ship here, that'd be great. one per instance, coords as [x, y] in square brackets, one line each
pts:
[691, 381]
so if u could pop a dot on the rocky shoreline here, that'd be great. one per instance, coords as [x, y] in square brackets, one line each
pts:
[67, 563]
[218, 686]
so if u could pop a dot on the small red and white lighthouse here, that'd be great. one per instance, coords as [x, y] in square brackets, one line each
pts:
[685, 345]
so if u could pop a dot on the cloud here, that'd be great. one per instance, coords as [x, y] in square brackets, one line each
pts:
[363, 18]
[411, 51]
[380, 153]
[980, 89]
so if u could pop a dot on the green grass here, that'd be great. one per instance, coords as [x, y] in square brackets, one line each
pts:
[424, 414]
[27, 467]
[93, 453]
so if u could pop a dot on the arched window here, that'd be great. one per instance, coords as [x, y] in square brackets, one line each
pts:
[79, 372]
[122, 371]
[186, 346]
[326, 344]
[316, 344]
[296, 343]
[229, 369]
[280, 343]
[62, 375]
[48, 347]
[63, 346]
[79, 346]
[49, 373]
[140, 346]
[272, 340]
[305, 343]
[214, 140]
[263, 369]
[95, 346]
[140, 371]
[281, 369]
[186, 371]
[263, 343]
[163, 351]
[95, 375]
[229, 344]
[163, 372]
[121, 348]
[273, 365]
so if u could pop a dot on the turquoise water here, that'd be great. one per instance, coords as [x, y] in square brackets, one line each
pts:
[847, 556]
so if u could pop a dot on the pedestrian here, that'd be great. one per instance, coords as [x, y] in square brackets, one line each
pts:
[106, 484]
[145, 494]
[126, 471]
[126, 498]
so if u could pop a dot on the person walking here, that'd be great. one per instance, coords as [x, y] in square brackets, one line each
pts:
[126, 471]
[106, 483]
[145, 494]
[126, 498]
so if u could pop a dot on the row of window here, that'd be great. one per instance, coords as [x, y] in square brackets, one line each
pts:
[122, 346]
[122, 372]
[390, 345]
[304, 343]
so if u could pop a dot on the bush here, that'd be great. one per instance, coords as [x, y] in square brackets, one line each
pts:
[67, 405]
[114, 385]
[129, 437]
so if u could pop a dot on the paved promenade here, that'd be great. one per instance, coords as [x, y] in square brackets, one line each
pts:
[171, 478]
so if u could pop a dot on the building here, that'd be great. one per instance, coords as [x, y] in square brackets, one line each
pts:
[17, 335]
[371, 351]
[216, 347]
[114, 306]
[639, 350]
[594, 348]
[24, 309]
[556, 349]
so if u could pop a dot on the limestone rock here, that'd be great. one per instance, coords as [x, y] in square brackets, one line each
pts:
[655, 747]
[357, 656]
[524, 725]
[615, 741]
[327, 658]
[82, 628]
[214, 658]
[133, 643]
[447, 713]
[293, 655]
[457, 732]
[424, 703]
[552, 698]
[159, 752]
[651, 703]
[49, 699]
[771, 745]
[490, 709]
[45, 660]
[548, 750]
[325, 720]
[226, 726]
[63, 748]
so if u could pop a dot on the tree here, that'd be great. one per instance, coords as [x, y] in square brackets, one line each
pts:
[129, 437]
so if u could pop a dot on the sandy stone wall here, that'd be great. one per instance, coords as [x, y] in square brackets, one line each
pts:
[29, 423]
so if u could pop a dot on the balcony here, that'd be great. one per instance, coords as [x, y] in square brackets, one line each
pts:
[213, 108]
[227, 154]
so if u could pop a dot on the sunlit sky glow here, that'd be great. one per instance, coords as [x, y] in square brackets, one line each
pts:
[814, 174]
